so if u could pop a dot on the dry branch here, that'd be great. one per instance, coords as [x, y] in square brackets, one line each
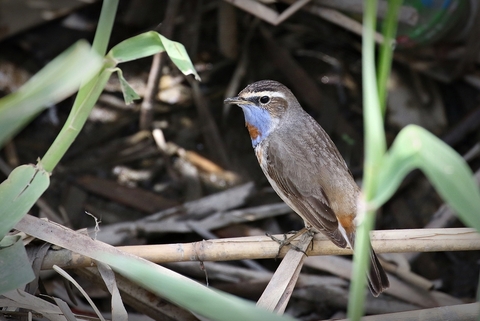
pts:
[266, 13]
[462, 312]
[277, 294]
[342, 20]
[166, 29]
[177, 216]
[262, 247]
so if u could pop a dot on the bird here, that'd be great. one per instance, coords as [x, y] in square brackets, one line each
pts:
[304, 166]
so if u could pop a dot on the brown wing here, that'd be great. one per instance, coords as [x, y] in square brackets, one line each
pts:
[315, 210]
[301, 165]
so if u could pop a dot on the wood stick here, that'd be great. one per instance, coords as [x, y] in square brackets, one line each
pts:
[262, 247]
[277, 294]
[146, 110]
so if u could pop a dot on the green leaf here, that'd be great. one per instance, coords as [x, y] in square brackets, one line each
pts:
[129, 94]
[199, 299]
[137, 47]
[14, 264]
[415, 147]
[176, 51]
[19, 192]
[56, 81]
[150, 43]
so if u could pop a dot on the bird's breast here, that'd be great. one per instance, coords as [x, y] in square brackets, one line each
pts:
[253, 131]
[261, 151]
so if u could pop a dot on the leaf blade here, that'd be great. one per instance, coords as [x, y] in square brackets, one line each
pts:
[150, 43]
[415, 147]
[19, 192]
[56, 81]
[14, 264]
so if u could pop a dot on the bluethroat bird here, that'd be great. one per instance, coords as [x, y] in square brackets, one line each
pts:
[304, 166]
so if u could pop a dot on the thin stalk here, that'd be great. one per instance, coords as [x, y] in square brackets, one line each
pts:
[75, 121]
[389, 29]
[105, 25]
[375, 144]
[88, 93]
[375, 147]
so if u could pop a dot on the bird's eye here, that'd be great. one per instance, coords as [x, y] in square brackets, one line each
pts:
[264, 99]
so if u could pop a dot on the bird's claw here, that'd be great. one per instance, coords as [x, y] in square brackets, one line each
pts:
[287, 240]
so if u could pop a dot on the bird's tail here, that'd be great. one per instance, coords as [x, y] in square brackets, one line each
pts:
[377, 278]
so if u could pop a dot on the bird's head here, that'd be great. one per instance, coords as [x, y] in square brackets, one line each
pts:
[264, 104]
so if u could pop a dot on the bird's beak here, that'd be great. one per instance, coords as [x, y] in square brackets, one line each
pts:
[236, 100]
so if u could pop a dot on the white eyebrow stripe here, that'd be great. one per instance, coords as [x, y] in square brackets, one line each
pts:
[264, 93]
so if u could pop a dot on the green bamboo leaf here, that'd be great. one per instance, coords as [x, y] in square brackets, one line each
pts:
[415, 147]
[56, 81]
[19, 192]
[176, 51]
[137, 47]
[150, 43]
[190, 295]
[14, 264]
[129, 94]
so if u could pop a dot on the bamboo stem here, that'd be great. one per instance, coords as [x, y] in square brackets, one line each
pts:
[262, 247]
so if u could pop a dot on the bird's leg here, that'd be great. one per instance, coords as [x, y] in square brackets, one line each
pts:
[288, 240]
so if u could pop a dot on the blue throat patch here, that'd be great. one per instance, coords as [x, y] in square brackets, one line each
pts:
[260, 119]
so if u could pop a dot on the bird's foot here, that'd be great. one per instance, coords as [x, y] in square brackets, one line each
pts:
[287, 240]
